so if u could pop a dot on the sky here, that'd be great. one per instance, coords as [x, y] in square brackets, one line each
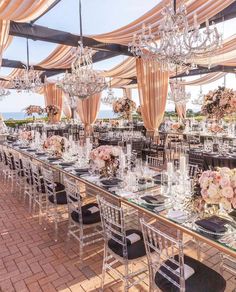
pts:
[99, 16]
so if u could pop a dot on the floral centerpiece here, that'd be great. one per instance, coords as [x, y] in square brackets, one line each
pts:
[124, 107]
[34, 109]
[56, 144]
[105, 159]
[51, 111]
[215, 129]
[220, 102]
[26, 136]
[177, 127]
[219, 187]
[138, 110]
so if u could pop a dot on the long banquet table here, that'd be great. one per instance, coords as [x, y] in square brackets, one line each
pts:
[162, 216]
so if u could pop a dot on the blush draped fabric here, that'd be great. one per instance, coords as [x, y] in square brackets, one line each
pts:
[66, 108]
[152, 88]
[88, 110]
[181, 110]
[54, 96]
[20, 11]
[203, 8]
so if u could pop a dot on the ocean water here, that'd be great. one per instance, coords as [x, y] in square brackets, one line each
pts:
[103, 114]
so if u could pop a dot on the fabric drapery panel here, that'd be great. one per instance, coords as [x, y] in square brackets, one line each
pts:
[4, 37]
[127, 92]
[54, 96]
[125, 69]
[20, 11]
[66, 108]
[88, 110]
[153, 88]
[181, 110]
[61, 57]
[203, 8]
[208, 78]
[23, 10]
[116, 83]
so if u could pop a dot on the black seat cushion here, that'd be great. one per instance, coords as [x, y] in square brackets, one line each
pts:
[61, 198]
[59, 187]
[204, 278]
[135, 250]
[88, 217]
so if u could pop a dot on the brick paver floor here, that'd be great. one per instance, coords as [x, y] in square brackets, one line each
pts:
[30, 260]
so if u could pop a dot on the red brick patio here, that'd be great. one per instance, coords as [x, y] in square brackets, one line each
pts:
[32, 261]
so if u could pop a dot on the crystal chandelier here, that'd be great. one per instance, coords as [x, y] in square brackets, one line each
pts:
[176, 42]
[29, 79]
[72, 101]
[199, 99]
[83, 81]
[3, 93]
[177, 94]
[110, 98]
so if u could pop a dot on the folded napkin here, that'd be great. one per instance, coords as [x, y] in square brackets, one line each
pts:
[65, 164]
[154, 200]
[53, 158]
[111, 182]
[132, 238]
[81, 170]
[188, 271]
[176, 214]
[213, 224]
[91, 210]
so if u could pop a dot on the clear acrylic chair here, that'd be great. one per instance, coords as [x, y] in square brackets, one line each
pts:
[228, 264]
[154, 162]
[28, 181]
[122, 246]
[56, 199]
[39, 199]
[171, 270]
[84, 220]
[19, 177]
[11, 172]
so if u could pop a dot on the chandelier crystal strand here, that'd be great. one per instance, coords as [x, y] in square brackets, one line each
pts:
[200, 98]
[83, 81]
[3, 93]
[177, 93]
[176, 43]
[110, 98]
[29, 79]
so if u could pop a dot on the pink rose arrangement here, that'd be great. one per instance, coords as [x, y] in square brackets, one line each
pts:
[124, 106]
[26, 135]
[219, 103]
[177, 127]
[31, 109]
[219, 186]
[105, 159]
[215, 129]
[55, 144]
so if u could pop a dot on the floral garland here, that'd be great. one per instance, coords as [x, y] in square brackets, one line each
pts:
[220, 102]
[104, 158]
[219, 186]
[124, 107]
[31, 109]
[52, 110]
